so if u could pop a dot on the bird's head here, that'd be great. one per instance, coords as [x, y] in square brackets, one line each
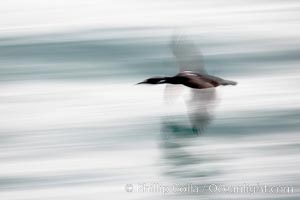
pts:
[154, 80]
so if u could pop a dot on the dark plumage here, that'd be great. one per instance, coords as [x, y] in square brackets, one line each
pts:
[190, 79]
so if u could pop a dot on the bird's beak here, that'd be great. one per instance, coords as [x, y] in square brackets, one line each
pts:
[140, 83]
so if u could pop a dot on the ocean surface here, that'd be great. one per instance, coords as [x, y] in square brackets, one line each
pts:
[75, 126]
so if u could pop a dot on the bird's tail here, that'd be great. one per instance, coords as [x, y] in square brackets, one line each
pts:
[228, 82]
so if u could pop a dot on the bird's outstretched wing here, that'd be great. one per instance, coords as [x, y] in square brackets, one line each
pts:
[200, 108]
[187, 55]
[201, 104]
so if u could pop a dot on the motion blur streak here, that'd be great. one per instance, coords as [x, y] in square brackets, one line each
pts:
[74, 126]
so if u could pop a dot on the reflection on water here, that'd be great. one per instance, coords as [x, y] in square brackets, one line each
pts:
[179, 132]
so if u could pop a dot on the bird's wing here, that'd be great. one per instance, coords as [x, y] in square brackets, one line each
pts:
[201, 103]
[200, 108]
[187, 55]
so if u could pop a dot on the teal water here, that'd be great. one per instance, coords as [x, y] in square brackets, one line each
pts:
[74, 125]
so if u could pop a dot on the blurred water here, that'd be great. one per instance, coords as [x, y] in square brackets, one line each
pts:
[74, 125]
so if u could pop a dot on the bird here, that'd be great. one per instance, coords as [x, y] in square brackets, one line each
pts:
[190, 79]
[193, 75]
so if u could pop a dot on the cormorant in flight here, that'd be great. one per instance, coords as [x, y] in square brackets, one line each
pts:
[192, 74]
[190, 79]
